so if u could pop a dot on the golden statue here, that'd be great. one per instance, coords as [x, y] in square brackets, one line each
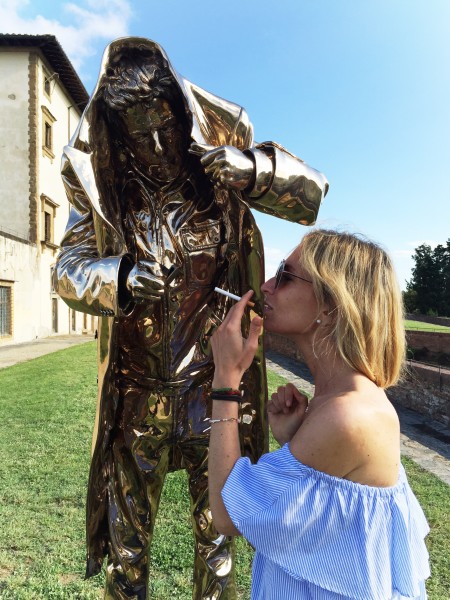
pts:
[161, 176]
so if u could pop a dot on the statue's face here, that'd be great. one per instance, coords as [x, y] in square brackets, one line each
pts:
[156, 138]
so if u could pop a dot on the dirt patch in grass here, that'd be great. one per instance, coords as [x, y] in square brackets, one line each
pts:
[5, 572]
[68, 578]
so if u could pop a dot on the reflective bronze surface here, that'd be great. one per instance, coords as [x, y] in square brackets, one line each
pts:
[160, 216]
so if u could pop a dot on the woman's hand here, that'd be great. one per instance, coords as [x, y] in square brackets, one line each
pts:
[233, 354]
[287, 411]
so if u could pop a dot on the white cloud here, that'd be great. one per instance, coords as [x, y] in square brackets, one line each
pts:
[85, 25]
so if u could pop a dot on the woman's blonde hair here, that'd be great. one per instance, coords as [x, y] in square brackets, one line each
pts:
[356, 278]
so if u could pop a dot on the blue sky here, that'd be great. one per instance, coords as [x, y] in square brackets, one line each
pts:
[360, 89]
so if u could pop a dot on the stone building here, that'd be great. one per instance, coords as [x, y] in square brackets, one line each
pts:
[41, 103]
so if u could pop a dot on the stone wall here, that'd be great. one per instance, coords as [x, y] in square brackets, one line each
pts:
[278, 343]
[435, 341]
[425, 389]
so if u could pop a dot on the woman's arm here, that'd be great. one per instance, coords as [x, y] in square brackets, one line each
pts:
[224, 450]
[233, 355]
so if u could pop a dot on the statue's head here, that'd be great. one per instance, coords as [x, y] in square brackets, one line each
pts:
[146, 112]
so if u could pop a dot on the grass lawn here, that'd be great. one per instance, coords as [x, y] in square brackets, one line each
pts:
[419, 326]
[46, 415]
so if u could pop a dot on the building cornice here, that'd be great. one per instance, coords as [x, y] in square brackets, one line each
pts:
[57, 59]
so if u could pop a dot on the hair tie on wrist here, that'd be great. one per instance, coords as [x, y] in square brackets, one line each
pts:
[228, 394]
[227, 397]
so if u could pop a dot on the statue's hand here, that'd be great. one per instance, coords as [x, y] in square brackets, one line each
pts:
[225, 165]
[143, 283]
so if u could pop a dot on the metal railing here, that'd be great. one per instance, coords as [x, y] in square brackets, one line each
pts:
[440, 370]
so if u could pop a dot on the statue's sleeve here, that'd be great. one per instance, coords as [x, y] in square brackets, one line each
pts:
[284, 185]
[86, 280]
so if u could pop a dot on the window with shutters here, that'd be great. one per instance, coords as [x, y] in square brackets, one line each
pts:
[6, 309]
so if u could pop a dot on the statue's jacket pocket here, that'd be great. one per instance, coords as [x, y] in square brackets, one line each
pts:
[202, 249]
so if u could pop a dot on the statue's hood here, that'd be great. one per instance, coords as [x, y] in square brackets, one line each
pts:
[213, 121]
[212, 118]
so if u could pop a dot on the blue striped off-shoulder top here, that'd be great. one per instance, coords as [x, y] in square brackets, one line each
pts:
[321, 537]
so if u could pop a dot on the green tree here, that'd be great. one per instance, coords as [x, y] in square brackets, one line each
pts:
[428, 292]
[410, 300]
[442, 260]
[424, 279]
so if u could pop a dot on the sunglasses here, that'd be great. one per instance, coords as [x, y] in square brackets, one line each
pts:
[282, 274]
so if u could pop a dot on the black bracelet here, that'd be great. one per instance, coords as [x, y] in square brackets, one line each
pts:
[226, 397]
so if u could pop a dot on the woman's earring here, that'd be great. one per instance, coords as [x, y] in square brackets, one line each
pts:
[318, 321]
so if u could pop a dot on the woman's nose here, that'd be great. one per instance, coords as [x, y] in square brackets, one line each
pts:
[268, 287]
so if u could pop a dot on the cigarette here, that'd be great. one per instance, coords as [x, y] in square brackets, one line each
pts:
[232, 296]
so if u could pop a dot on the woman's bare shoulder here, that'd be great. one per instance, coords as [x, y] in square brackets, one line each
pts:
[353, 435]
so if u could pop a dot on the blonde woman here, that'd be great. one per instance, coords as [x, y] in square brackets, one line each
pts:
[330, 514]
